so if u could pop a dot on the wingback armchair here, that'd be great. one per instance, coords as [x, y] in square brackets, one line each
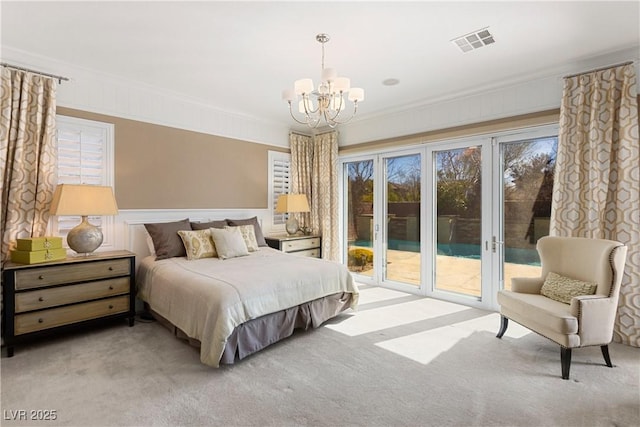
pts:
[588, 276]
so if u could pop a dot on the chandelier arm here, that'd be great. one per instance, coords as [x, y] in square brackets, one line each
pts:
[339, 109]
[311, 122]
[341, 122]
[307, 109]
[294, 117]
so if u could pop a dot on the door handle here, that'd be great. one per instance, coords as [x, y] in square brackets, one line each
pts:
[494, 243]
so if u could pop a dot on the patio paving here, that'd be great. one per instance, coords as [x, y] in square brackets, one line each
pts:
[455, 274]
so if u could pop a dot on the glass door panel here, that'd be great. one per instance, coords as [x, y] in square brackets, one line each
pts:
[527, 183]
[458, 228]
[359, 227]
[402, 258]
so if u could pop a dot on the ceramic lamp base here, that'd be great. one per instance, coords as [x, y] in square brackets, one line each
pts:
[292, 226]
[85, 237]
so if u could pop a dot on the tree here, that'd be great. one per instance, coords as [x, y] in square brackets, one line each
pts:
[360, 176]
[459, 181]
[403, 179]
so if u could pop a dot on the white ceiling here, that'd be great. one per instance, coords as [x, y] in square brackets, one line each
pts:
[239, 56]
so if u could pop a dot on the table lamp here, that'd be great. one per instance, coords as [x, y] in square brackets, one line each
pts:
[84, 200]
[292, 203]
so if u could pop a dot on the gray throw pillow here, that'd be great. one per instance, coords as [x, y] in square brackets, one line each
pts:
[166, 240]
[207, 225]
[256, 228]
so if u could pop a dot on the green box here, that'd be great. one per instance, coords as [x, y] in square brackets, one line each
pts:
[34, 257]
[39, 243]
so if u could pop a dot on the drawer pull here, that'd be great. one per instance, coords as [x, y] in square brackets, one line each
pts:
[110, 306]
[41, 277]
[110, 268]
[41, 320]
[40, 299]
[110, 287]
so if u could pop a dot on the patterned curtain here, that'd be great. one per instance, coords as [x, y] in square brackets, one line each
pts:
[596, 192]
[324, 214]
[314, 166]
[301, 164]
[27, 155]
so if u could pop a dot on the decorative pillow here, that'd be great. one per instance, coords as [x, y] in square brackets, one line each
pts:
[165, 238]
[256, 228]
[198, 244]
[562, 288]
[150, 246]
[229, 242]
[208, 225]
[248, 235]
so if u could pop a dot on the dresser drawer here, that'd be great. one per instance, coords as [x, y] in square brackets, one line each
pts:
[45, 319]
[300, 244]
[314, 253]
[45, 298]
[31, 278]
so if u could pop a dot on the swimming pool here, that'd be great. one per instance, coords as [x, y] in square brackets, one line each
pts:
[463, 250]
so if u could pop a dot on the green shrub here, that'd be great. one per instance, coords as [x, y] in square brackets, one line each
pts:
[360, 257]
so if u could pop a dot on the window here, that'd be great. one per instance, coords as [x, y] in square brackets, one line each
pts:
[279, 182]
[85, 156]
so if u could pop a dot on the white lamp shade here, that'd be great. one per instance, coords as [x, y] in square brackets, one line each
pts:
[303, 86]
[342, 84]
[288, 95]
[329, 74]
[292, 203]
[84, 200]
[356, 94]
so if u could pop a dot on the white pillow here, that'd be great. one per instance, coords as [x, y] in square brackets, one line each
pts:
[248, 235]
[229, 242]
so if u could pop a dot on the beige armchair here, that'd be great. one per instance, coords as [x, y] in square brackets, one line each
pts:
[583, 320]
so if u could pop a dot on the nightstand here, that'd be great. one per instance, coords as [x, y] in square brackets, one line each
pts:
[48, 298]
[297, 244]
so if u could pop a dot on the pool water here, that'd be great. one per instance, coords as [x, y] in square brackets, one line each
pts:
[463, 250]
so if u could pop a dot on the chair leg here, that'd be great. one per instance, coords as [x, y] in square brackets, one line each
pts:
[504, 323]
[565, 360]
[605, 353]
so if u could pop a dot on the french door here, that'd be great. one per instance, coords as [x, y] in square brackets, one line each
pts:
[454, 220]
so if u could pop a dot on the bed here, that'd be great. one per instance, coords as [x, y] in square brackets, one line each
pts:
[234, 307]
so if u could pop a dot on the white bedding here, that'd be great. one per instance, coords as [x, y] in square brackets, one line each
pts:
[207, 298]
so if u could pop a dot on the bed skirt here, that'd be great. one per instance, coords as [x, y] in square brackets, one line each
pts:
[256, 334]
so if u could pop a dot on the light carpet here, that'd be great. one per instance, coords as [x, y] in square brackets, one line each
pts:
[400, 360]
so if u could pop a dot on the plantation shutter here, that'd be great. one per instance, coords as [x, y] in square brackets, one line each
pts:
[83, 158]
[280, 182]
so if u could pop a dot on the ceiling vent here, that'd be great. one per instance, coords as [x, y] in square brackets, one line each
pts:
[474, 40]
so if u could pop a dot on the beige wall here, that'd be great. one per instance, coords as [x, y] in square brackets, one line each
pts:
[159, 167]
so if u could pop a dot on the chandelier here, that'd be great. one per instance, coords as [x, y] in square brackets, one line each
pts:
[327, 102]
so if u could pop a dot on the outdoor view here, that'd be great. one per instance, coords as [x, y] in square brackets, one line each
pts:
[527, 181]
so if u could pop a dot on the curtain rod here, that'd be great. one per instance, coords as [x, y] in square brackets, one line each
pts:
[292, 132]
[59, 78]
[598, 69]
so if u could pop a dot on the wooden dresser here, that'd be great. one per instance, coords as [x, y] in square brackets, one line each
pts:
[297, 244]
[48, 298]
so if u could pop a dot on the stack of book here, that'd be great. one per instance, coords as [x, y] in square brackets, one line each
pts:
[38, 249]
